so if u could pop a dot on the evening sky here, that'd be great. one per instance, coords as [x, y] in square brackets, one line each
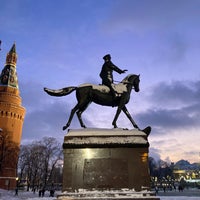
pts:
[61, 43]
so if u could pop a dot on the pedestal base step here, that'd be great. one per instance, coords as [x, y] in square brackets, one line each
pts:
[109, 198]
[108, 195]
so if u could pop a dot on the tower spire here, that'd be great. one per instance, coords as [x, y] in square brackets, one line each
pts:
[11, 58]
[8, 76]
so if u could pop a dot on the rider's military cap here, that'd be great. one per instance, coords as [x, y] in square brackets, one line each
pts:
[107, 57]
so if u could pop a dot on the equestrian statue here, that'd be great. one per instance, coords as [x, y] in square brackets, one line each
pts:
[106, 94]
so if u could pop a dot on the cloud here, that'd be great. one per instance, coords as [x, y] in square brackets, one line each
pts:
[164, 31]
[153, 15]
[173, 105]
[174, 94]
[155, 153]
[173, 112]
[176, 144]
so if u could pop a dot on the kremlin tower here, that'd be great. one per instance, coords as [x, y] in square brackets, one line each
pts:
[11, 121]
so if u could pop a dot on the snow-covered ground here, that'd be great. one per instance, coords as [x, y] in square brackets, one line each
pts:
[179, 198]
[10, 195]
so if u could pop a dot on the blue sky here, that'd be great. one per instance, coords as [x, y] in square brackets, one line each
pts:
[61, 43]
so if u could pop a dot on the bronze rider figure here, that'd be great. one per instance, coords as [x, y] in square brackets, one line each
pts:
[106, 73]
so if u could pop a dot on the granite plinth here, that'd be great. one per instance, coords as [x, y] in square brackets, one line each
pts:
[105, 159]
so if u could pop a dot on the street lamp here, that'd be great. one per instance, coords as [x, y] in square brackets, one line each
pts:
[16, 189]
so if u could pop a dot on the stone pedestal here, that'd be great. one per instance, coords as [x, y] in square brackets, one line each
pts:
[105, 160]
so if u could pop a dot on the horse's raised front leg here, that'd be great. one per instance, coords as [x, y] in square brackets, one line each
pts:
[129, 117]
[70, 117]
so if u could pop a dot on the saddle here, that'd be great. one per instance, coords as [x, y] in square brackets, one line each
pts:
[118, 88]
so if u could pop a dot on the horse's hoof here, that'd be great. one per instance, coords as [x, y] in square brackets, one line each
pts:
[64, 128]
[147, 130]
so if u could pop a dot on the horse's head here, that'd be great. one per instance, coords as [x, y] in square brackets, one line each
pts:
[133, 80]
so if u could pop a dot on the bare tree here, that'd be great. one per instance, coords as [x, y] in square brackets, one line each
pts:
[38, 161]
[8, 152]
[51, 155]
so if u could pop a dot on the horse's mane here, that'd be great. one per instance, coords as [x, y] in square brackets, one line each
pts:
[126, 79]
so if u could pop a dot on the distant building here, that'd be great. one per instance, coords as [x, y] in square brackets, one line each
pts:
[11, 121]
[179, 174]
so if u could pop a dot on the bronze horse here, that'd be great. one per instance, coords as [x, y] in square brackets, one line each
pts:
[100, 94]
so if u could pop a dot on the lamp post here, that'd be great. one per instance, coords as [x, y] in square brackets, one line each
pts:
[16, 189]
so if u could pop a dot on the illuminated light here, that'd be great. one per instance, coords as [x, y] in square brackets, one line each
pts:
[88, 153]
[144, 157]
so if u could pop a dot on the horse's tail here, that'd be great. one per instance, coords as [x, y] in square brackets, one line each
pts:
[60, 92]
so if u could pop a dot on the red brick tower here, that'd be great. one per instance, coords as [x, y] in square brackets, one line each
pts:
[11, 121]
